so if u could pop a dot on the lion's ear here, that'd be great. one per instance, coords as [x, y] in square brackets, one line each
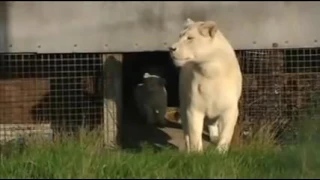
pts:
[208, 28]
[188, 22]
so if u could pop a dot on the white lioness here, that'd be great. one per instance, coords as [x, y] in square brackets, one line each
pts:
[210, 84]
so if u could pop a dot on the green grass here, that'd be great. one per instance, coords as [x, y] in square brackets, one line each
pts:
[86, 159]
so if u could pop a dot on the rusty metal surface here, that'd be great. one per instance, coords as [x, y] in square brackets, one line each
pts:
[146, 26]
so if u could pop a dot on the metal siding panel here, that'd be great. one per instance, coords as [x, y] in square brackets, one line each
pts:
[148, 26]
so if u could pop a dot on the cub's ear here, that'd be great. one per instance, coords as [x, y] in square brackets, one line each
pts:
[208, 28]
[146, 75]
[188, 22]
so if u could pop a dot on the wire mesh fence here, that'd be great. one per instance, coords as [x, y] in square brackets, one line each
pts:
[49, 92]
[279, 85]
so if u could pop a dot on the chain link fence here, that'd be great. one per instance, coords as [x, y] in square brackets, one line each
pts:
[279, 85]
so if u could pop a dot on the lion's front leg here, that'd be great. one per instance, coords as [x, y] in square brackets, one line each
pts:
[228, 121]
[184, 124]
[193, 126]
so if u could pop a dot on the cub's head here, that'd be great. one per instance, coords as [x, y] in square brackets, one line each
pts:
[195, 42]
[153, 82]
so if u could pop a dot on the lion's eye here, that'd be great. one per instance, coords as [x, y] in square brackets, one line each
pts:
[189, 38]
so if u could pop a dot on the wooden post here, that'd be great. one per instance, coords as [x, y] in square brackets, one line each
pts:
[112, 91]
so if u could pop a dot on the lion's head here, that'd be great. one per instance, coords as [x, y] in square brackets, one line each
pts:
[196, 42]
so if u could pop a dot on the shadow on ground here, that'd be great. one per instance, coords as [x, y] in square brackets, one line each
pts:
[135, 134]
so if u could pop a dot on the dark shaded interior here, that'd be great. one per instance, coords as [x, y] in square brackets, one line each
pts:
[134, 66]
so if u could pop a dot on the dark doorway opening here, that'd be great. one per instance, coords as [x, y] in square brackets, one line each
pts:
[134, 66]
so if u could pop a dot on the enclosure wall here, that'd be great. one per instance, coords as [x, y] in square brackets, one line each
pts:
[57, 27]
